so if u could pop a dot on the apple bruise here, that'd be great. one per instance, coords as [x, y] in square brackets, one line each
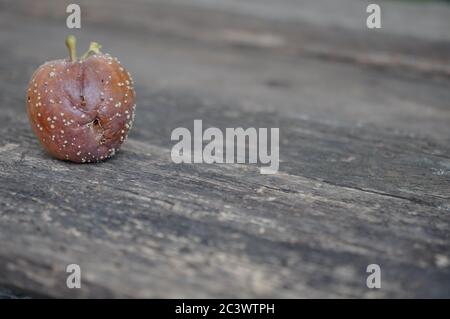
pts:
[81, 111]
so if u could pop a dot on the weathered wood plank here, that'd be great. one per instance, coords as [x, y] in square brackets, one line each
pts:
[364, 174]
[151, 222]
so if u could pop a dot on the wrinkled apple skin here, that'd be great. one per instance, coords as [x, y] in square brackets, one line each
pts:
[81, 111]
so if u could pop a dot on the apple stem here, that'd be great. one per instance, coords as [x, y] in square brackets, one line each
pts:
[94, 48]
[71, 43]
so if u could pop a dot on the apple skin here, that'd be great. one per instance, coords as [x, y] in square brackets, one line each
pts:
[81, 111]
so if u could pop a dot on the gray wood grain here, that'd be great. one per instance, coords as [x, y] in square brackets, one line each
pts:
[364, 175]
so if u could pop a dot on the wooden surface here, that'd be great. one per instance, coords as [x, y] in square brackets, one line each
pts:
[364, 120]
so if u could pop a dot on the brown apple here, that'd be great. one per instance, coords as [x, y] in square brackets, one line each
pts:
[81, 109]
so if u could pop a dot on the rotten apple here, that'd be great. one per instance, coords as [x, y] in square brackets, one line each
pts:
[81, 109]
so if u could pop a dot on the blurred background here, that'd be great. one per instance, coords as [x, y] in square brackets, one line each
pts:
[314, 57]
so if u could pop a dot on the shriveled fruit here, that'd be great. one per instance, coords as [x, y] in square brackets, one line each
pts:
[81, 109]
